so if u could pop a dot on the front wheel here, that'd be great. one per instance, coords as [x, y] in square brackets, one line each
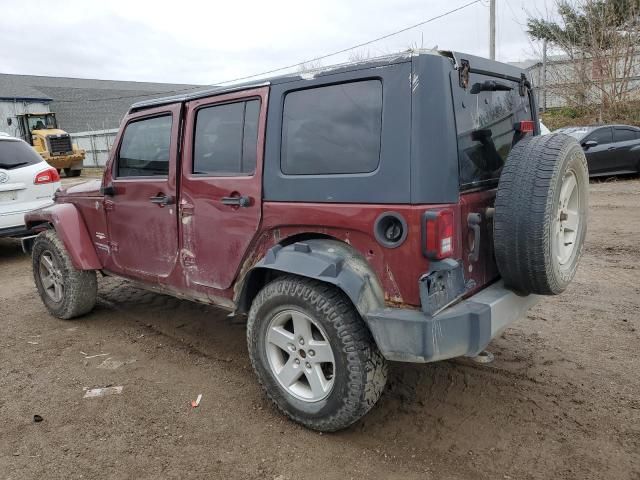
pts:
[72, 173]
[313, 354]
[64, 290]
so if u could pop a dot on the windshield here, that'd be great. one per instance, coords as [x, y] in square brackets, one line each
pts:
[40, 122]
[16, 153]
[576, 132]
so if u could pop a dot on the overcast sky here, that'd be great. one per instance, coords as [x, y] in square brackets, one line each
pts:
[204, 42]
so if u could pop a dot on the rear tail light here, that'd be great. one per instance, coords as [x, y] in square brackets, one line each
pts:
[527, 126]
[50, 175]
[438, 234]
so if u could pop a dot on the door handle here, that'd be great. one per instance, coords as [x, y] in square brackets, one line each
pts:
[473, 221]
[612, 148]
[239, 201]
[162, 200]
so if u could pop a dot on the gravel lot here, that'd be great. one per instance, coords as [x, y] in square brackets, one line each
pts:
[561, 399]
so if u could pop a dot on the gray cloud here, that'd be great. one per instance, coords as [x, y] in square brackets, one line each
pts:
[205, 42]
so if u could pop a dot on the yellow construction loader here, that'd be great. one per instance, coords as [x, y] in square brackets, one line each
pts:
[54, 145]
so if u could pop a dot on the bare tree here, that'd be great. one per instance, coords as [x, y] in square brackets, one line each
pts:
[309, 66]
[359, 55]
[600, 45]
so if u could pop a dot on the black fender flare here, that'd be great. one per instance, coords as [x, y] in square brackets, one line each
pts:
[325, 260]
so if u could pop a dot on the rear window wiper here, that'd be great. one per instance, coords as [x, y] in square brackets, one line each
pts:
[490, 86]
[13, 165]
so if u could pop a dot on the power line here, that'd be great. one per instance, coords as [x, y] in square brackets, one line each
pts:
[280, 69]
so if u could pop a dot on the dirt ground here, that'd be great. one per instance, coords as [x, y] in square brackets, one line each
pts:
[561, 399]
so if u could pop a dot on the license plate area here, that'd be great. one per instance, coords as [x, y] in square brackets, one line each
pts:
[10, 196]
[442, 287]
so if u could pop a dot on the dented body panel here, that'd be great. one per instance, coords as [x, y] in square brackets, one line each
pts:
[70, 226]
[215, 237]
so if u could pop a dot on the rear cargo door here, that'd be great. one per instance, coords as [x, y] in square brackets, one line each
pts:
[488, 113]
[221, 185]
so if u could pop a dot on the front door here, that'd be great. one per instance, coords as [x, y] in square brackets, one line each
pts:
[599, 156]
[221, 185]
[142, 218]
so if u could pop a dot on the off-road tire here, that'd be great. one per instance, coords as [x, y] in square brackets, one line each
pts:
[72, 173]
[526, 207]
[361, 370]
[80, 286]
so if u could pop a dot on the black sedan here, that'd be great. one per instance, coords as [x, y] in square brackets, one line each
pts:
[610, 149]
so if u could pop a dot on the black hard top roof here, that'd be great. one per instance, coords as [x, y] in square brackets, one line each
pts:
[477, 63]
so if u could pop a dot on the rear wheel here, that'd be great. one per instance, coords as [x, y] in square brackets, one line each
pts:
[313, 354]
[541, 214]
[72, 173]
[65, 291]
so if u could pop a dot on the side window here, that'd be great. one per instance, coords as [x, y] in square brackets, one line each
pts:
[602, 136]
[486, 114]
[625, 134]
[144, 150]
[333, 129]
[225, 139]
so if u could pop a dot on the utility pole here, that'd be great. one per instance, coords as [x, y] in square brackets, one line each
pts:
[492, 29]
[544, 75]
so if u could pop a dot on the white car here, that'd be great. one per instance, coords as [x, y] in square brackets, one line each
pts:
[543, 129]
[27, 182]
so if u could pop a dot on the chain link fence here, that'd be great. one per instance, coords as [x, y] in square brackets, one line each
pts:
[96, 144]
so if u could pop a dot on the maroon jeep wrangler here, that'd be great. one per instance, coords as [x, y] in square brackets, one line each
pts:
[402, 209]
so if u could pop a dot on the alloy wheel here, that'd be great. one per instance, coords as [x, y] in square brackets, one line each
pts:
[567, 219]
[300, 356]
[51, 276]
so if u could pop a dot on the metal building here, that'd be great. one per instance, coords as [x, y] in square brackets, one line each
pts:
[90, 110]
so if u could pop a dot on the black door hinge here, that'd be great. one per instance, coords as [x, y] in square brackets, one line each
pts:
[525, 85]
[463, 73]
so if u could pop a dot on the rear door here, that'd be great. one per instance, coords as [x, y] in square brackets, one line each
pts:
[488, 114]
[221, 185]
[142, 219]
[626, 141]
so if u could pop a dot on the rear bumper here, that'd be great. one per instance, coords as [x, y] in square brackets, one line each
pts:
[464, 329]
[12, 222]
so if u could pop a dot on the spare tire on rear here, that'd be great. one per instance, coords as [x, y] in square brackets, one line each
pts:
[540, 219]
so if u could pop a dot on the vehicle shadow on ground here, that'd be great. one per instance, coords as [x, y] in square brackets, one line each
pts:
[438, 398]
[10, 249]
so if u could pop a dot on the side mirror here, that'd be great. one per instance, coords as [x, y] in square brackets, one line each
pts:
[589, 143]
[108, 190]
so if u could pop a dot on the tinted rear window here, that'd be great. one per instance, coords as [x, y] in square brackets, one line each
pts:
[226, 139]
[625, 134]
[485, 126]
[16, 153]
[333, 129]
